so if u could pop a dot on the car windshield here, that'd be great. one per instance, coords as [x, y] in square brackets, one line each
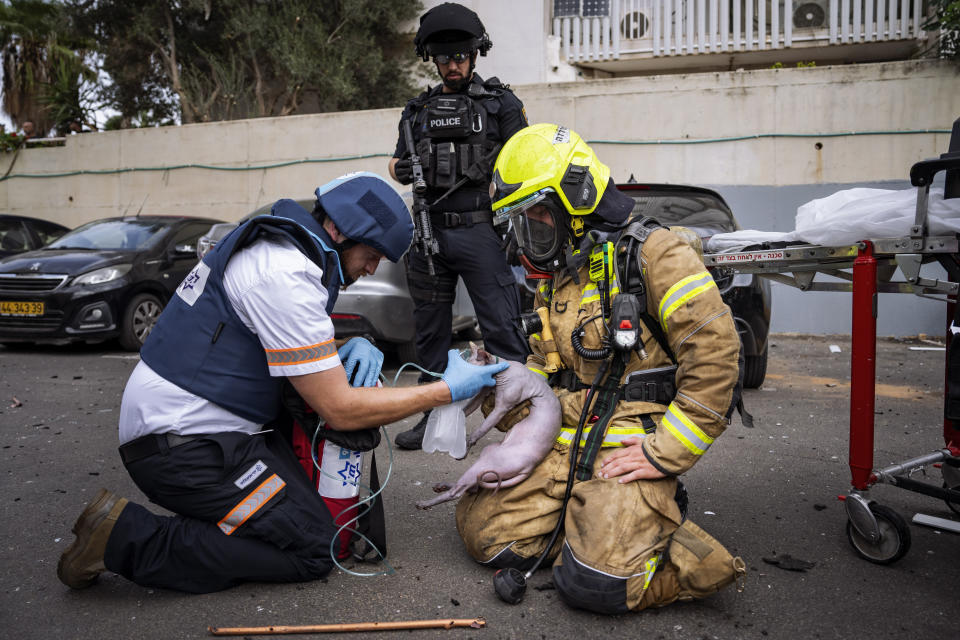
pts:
[112, 235]
[699, 212]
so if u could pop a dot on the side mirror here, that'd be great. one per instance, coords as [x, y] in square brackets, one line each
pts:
[185, 251]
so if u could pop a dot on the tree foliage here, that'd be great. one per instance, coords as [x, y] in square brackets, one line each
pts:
[46, 78]
[204, 60]
[946, 18]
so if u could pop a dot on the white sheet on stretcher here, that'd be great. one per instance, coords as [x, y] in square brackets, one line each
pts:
[852, 215]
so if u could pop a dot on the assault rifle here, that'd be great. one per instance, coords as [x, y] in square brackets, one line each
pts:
[423, 232]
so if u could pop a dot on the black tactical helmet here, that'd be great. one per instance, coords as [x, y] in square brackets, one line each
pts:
[450, 28]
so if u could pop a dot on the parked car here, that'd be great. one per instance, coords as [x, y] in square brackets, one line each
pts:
[706, 213]
[22, 233]
[378, 306]
[106, 279]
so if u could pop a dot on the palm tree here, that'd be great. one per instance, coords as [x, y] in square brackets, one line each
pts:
[43, 77]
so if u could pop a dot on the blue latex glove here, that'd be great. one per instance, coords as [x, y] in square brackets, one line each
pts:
[362, 362]
[466, 380]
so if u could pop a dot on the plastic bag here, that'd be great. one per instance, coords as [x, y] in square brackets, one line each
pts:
[851, 215]
[859, 214]
[446, 430]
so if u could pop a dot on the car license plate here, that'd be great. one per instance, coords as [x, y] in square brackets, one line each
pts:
[9, 308]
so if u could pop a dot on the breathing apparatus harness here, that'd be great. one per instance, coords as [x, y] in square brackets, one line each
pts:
[611, 254]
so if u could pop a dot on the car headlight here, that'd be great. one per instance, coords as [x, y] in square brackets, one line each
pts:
[106, 274]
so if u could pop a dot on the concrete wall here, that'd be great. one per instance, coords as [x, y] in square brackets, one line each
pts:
[252, 162]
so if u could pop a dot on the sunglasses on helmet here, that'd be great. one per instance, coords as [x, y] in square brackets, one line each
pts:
[442, 58]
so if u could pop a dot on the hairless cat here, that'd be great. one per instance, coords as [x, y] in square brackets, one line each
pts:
[509, 462]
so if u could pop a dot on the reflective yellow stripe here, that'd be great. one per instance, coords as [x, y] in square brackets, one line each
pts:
[301, 355]
[678, 294]
[535, 370]
[614, 436]
[684, 430]
[650, 566]
[251, 504]
[590, 293]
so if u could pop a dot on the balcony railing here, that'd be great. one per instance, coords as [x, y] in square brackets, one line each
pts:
[597, 30]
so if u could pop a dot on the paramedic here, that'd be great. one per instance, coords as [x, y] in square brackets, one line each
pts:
[254, 311]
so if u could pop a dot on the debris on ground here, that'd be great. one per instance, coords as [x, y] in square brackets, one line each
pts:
[16, 403]
[546, 586]
[789, 563]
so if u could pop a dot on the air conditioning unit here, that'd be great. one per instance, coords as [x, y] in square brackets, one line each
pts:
[810, 14]
[634, 25]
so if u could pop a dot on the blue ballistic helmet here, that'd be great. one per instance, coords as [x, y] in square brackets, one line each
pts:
[368, 210]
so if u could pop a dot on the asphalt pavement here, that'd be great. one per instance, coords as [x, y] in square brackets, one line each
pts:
[765, 492]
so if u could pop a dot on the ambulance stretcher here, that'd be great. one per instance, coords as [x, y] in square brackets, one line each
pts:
[878, 533]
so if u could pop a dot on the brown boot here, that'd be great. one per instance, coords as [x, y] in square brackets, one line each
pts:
[82, 562]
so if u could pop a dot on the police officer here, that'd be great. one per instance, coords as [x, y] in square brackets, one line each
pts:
[458, 128]
[253, 313]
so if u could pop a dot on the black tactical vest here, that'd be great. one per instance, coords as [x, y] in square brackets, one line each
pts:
[456, 139]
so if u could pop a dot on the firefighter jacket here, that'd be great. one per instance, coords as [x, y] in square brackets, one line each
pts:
[684, 301]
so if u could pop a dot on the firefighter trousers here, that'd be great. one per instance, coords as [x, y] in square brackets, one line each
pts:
[245, 512]
[625, 546]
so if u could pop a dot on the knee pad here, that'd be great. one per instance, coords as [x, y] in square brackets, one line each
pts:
[584, 588]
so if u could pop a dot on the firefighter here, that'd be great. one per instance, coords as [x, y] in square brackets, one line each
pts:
[253, 313]
[644, 358]
[458, 127]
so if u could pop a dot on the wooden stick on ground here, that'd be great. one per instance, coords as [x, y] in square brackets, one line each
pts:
[475, 623]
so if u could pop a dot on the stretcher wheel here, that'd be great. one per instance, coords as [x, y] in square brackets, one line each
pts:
[894, 541]
[954, 506]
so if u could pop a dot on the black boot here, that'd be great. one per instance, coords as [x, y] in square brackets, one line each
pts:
[413, 439]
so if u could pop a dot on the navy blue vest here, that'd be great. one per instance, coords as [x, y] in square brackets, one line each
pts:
[201, 345]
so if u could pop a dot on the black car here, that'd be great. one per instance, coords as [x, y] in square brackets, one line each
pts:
[706, 213]
[21, 233]
[106, 279]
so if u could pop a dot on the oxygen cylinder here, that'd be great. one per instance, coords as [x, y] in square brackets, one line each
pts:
[338, 483]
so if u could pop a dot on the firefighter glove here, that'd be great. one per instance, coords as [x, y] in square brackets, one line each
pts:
[362, 362]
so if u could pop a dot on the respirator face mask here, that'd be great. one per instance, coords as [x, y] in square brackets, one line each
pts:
[538, 225]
